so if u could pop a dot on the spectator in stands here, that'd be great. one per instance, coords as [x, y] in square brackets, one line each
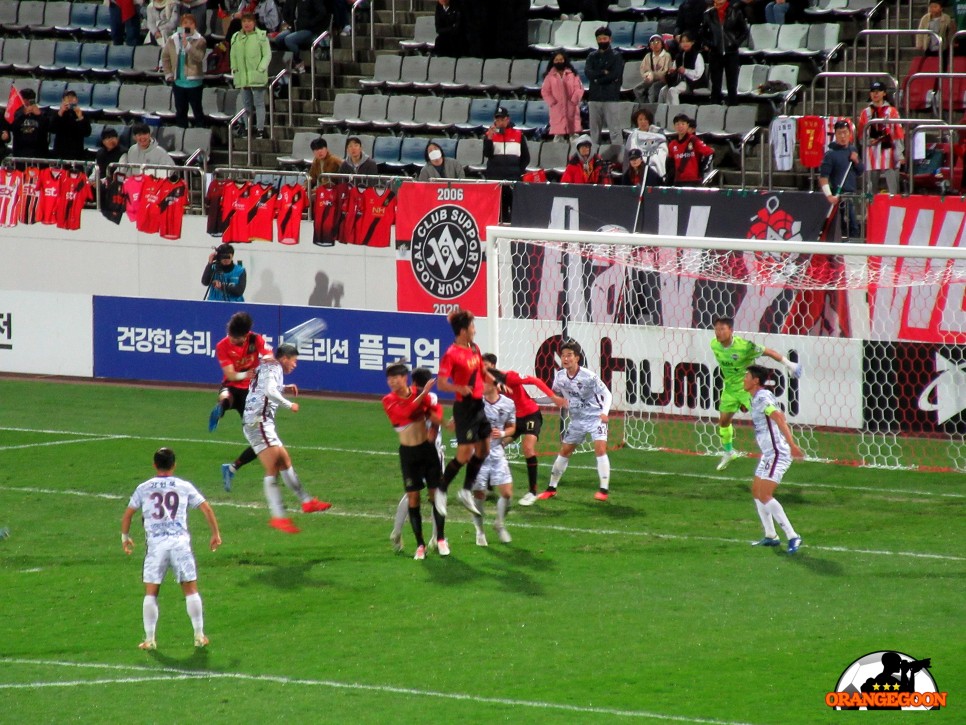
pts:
[438, 166]
[688, 70]
[841, 166]
[776, 11]
[182, 61]
[356, 160]
[753, 10]
[605, 71]
[145, 149]
[125, 22]
[199, 10]
[562, 90]
[687, 154]
[109, 152]
[504, 148]
[651, 142]
[690, 18]
[450, 41]
[266, 13]
[654, 67]
[725, 30]
[70, 128]
[302, 22]
[250, 56]
[341, 17]
[586, 167]
[636, 170]
[884, 143]
[938, 22]
[30, 129]
[323, 161]
[162, 19]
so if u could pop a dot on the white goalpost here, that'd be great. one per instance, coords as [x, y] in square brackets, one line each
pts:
[880, 330]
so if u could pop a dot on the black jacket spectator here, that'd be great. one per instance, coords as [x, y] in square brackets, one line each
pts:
[306, 15]
[724, 31]
[605, 71]
[69, 135]
[450, 41]
[691, 17]
[30, 133]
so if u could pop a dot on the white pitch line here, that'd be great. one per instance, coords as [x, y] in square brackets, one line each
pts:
[178, 674]
[60, 443]
[703, 476]
[524, 525]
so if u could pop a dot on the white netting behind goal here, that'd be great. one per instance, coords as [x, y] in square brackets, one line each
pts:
[882, 338]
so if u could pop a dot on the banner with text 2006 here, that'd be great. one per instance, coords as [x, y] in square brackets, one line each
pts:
[440, 261]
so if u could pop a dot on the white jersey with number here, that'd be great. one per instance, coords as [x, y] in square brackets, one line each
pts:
[501, 413]
[782, 134]
[587, 396]
[767, 434]
[164, 502]
[265, 393]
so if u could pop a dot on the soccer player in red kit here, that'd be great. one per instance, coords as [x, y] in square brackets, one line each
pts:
[529, 417]
[461, 371]
[239, 353]
[408, 410]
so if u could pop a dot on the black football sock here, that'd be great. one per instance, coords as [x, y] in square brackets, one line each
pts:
[416, 519]
[472, 468]
[452, 468]
[440, 523]
[246, 457]
[532, 473]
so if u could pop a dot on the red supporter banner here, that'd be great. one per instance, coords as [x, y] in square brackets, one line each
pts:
[440, 263]
[923, 313]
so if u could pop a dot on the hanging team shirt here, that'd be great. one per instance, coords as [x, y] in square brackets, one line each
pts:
[148, 215]
[351, 212]
[75, 191]
[214, 198]
[237, 208]
[11, 185]
[262, 226]
[376, 213]
[811, 141]
[113, 200]
[289, 207]
[49, 206]
[30, 195]
[132, 195]
[782, 135]
[172, 202]
[326, 214]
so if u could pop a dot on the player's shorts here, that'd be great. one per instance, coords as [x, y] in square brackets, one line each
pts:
[493, 472]
[236, 397]
[733, 402]
[772, 468]
[261, 435]
[580, 428]
[178, 558]
[469, 415]
[420, 466]
[530, 425]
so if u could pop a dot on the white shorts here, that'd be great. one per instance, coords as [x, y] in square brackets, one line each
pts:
[261, 435]
[772, 468]
[493, 472]
[178, 557]
[579, 429]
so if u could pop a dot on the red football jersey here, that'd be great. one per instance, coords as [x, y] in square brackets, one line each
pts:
[237, 208]
[403, 412]
[289, 207]
[464, 366]
[173, 199]
[11, 185]
[75, 191]
[148, 218]
[326, 214]
[351, 201]
[263, 214]
[49, 207]
[132, 192]
[375, 217]
[213, 200]
[811, 141]
[30, 195]
[243, 357]
[525, 405]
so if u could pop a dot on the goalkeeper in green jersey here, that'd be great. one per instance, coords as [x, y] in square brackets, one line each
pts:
[734, 354]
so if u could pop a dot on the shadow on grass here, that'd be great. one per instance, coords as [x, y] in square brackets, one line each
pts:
[822, 567]
[291, 577]
[197, 660]
[506, 567]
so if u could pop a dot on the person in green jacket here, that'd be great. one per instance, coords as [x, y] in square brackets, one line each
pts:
[250, 55]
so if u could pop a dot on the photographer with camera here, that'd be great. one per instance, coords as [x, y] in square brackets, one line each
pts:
[224, 278]
[884, 143]
[70, 127]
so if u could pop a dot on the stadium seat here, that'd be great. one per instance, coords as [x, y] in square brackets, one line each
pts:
[119, 57]
[480, 116]
[413, 70]
[85, 92]
[538, 31]
[388, 66]
[301, 150]
[56, 19]
[8, 14]
[467, 74]
[762, 37]
[169, 138]
[750, 77]
[346, 105]
[158, 102]
[29, 15]
[83, 18]
[919, 90]
[93, 60]
[194, 139]
[105, 95]
[710, 120]
[523, 74]
[15, 54]
[632, 76]
[538, 116]
[496, 73]
[517, 110]
[51, 93]
[424, 35]
[399, 108]
[553, 157]
[93, 140]
[130, 100]
[412, 155]
[563, 34]
[372, 108]
[145, 64]
[41, 53]
[469, 154]
[455, 110]
[586, 38]
[622, 37]
[740, 120]
[447, 145]
[426, 111]
[335, 141]
[441, 70]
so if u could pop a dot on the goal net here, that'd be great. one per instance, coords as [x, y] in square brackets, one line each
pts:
[879, 329]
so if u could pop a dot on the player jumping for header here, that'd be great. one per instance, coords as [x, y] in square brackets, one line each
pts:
[734, 354]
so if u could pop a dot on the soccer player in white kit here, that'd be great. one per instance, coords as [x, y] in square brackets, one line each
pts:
[588, 400]
[778, 447]
[164, 502]
[501, 411]
[264, 397]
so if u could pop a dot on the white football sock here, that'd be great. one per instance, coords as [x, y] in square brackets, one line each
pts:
[402, 513]
[557, 470]
[292, 481]
[149, 613]
[778, 513]
[195, 612]
[502, 506]
[767, 523]
[603, 471]
[274, 496]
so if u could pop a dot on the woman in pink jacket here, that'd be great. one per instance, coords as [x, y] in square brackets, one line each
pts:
[562, 90]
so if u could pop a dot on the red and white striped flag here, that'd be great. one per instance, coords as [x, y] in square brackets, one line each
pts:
[14, 101]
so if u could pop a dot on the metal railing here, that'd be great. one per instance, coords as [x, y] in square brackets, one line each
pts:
[359, 5]
[810, 105]
[889, 35]
[231, 136]
[949, 84]
[272, 85]
[905, 123]
[324, 36]
[194, 177]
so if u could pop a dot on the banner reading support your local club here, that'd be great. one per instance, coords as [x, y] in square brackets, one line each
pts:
[440, 261]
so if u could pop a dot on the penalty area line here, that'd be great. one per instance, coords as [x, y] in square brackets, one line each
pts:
[176, 674]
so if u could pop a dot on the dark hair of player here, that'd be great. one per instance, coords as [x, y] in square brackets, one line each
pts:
[490, 358]
[239, 324]
[574, 347]
[460, 320]
[286, 350]
[759, 373]
[421, 376]
[396, 368]
[164, 459]
[729, 321]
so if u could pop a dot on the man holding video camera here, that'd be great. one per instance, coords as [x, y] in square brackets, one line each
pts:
[70, 128]
[224, 278]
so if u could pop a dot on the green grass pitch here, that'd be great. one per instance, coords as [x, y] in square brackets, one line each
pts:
[649, 608]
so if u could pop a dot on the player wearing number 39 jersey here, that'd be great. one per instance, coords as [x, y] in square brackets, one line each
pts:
[163, 502]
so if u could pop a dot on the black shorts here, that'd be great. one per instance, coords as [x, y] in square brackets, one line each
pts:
[529, 425]
[420, 466]
[469, 415]
[236, 398]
